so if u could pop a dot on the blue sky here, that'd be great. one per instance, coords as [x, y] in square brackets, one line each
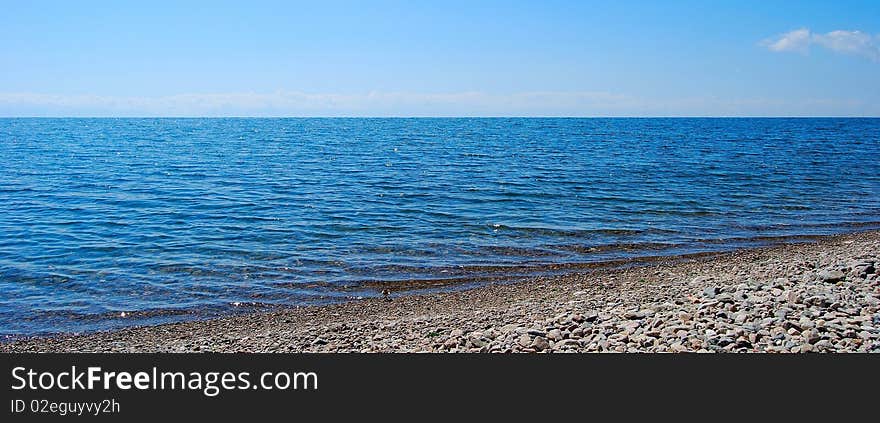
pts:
[450, 58]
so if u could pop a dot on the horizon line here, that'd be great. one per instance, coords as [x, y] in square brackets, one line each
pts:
[458, 117]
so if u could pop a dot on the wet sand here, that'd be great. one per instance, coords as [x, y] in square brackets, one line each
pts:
[818, 296]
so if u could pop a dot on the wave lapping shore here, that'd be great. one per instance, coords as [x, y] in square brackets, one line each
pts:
[822, 296]
[168, 219]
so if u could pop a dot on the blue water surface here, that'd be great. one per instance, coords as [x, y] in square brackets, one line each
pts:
[169, 219]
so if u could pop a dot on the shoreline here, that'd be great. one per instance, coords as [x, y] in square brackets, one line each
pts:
[819, 295]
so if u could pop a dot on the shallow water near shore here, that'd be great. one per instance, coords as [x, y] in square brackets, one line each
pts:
[170, 219]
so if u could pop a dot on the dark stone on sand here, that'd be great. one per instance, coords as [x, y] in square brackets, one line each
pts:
[831, 276]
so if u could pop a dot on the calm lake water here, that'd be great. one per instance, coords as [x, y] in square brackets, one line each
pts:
[169, 219]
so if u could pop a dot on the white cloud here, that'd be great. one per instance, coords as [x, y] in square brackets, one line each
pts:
[797, 40]
[851, 42]
[856, 43]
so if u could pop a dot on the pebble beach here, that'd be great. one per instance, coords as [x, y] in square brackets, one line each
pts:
[817, 296]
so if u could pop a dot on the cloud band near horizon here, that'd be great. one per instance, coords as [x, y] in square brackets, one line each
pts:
[384, 104]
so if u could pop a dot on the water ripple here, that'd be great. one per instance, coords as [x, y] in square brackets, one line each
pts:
[167, 219]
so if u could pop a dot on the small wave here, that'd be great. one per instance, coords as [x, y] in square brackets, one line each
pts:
[575, 233]
[622, 247]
